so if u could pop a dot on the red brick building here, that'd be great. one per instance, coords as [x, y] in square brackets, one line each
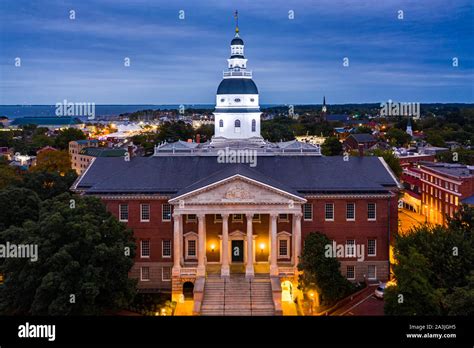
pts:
[444, 186]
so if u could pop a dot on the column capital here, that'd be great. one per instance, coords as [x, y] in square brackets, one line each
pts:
[177, 215]
[225, 216]
[200, 216]
[249, 215]
[298, 215]
[274, 215]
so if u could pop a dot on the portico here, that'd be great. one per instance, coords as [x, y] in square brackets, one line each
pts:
[237, 221]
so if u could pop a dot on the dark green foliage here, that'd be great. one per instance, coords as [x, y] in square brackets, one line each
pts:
[320, 272]
[81, 252]
[331, 147]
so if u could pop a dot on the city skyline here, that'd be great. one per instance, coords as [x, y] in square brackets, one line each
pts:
[180, 61]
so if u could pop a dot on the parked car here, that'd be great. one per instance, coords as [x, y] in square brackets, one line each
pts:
[380, 290]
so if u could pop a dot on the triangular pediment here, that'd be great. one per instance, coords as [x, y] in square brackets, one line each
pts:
[238, 189]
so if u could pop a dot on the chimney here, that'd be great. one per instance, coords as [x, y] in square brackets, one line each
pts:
[198, 138]
[361, 150]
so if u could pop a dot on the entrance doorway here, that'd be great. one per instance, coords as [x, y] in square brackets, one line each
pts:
[188, 290]
[237, 250]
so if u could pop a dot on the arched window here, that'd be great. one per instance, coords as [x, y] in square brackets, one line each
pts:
[254, 125]
[221, 123]
[237, 126]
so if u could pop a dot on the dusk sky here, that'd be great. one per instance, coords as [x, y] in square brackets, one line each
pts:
[180, 61]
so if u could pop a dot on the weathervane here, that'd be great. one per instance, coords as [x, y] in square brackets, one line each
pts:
[236, 16]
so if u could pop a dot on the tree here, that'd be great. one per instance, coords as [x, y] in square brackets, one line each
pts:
[66, 135]
[331, 147]
[397, 137]
[53, 162]
[461, 300]
[48, 184]
[364, 129]
[435, 139]
[17, 205]
[321, 272]
[413, 294]
[174, 131]
[8, 175]
[278, 129]
[83, 261]
[206, 131]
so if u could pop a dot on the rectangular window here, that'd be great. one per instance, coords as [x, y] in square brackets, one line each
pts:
[371, 247]
[350, 211]
[350, 272]
[166, 248]
[192, 248]
[166, 212]
[144, 212]
[237, 217]
[145, 248]
[371, 211]
[191, 218]
[350, 248]
[123, 208]
[371, 272]
[283, 217]
[256, 218]
[329, 212]
[307, 211]
[166, 274]
[145, 273]
[217, 218]
[283, 248]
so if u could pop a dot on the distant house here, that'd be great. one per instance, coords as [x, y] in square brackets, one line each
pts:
[52, 123]
[83, 151]
[46, 149]
[359, 141]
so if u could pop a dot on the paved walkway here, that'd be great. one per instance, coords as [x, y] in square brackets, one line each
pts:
[408, 220]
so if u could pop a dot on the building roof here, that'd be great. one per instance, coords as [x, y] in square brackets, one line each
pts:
[468, 200]
[237, 41]
[237, 86]
[176, 174]
[50, 121]
[363, 137]
[103, 152]
[453, 169]
[87, 141]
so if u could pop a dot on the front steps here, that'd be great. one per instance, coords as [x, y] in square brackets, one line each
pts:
[238, 296]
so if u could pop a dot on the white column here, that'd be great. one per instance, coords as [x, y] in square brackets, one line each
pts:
[273, 242]
[201, 269]
[249, 272]
[177, 240]
[225, 246]
[297, 238]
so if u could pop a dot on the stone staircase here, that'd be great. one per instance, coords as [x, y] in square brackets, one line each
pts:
[238, 296]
